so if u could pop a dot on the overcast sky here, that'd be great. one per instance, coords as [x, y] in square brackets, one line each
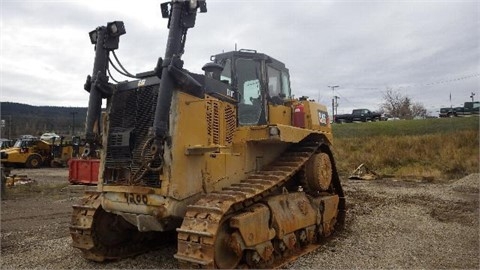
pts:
[425, 50]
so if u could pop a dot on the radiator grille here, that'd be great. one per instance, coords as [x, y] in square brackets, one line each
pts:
[130, 118]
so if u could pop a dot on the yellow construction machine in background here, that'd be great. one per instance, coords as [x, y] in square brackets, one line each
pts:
[31, 152]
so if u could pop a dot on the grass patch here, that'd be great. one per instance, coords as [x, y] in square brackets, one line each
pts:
[406, 127]
[431, 148]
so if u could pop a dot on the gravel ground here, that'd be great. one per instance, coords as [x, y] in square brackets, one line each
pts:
[390, 224]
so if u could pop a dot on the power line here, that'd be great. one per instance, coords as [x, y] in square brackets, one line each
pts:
[346, 99]
[412, 85]
[453, 80]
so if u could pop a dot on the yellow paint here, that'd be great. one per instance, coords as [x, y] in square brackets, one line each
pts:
[208, 151]
[20, 156]
[279, 114]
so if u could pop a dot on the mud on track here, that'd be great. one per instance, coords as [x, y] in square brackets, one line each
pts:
[396, 224]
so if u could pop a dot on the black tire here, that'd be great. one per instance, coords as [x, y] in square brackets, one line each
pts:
[33, 162]
[3, 183]
[55, 164]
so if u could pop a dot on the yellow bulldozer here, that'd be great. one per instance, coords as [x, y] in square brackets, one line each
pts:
[243, 172]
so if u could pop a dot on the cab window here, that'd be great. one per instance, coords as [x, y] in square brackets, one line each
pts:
[226, 75]
[248, 81]
[286, 84]
[274, 82]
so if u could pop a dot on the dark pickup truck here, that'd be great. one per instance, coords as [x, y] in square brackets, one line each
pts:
[469, 108]
[363, 115]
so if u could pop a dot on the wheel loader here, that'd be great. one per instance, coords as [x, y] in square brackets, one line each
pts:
[228, 162]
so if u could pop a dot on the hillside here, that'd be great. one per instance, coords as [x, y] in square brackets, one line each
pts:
[27, 119]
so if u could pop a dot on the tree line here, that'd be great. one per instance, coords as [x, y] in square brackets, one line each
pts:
[22, 119]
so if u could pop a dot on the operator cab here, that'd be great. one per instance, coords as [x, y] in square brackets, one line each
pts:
[257, 81]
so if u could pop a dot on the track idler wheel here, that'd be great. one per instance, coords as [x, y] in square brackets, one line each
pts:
[319, 172]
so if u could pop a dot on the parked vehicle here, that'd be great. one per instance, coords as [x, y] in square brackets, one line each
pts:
[389, 117]
[5, 143]
[64, 150]
[447, 112]
[469, 108]
[362, 115]
[49, 136]
[30, 152]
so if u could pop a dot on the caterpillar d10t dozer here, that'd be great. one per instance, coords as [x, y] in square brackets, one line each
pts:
[241, 171]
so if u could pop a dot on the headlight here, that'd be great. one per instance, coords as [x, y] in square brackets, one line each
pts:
[93, 36]
[273, 131]
[116, 28]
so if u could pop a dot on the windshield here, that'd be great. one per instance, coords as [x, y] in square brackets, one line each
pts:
[362, 111]
[18, 144]
[23, 143]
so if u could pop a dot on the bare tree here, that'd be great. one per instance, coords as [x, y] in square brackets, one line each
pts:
[418, 110]
[401, 106]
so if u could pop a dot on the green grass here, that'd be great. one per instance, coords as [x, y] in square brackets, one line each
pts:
[406, 127]
[433, 148]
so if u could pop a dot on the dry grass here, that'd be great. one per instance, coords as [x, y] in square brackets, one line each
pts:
[437, 155]
[35, 189]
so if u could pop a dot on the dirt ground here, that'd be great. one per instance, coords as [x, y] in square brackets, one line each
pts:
[390, 224]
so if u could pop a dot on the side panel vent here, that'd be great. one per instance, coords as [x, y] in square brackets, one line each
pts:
[230, 123]
[221, 121]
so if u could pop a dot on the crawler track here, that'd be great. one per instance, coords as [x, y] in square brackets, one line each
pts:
[204, 220]
[104, 236]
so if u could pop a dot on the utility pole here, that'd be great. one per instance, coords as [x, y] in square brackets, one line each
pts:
[73, 123]
[472, 95]
[336, 104]
[333, 100]
[9, 127]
